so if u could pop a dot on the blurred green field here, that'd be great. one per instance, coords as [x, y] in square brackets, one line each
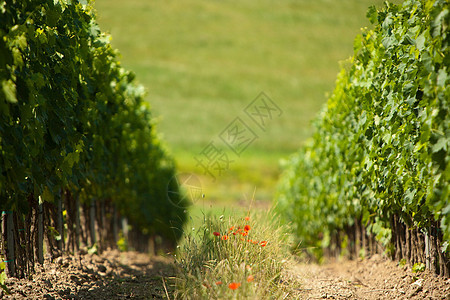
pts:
[204, 61]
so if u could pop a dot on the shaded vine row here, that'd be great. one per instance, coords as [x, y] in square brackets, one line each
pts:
[75, 132]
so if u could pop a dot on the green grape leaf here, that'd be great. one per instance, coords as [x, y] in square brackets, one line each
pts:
[9, 90]
[420, 41]
[441, 144]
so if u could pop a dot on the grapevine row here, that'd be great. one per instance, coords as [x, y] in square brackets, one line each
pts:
[74, 127]
[377, 166]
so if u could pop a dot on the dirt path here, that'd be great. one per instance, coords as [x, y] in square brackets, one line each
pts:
[131, 275]
[374, 278]
[113, 275]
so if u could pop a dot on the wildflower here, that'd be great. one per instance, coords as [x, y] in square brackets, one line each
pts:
[247, 227]
[231, 228]
[218, 282]
[250, 278]
[234, 285]
[244, 233]
[224, 237]
[234, 233]
[216, 233]
[247, 218]
[263, 243]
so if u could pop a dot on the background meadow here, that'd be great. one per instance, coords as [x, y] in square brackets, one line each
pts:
[202, 62]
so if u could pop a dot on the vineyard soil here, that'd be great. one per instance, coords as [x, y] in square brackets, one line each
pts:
[131, 275]
[113, 275]
[371, 279]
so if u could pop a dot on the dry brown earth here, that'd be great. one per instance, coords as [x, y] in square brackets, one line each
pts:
[132, 275]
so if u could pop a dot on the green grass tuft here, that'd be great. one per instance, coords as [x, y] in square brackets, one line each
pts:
[208, 264]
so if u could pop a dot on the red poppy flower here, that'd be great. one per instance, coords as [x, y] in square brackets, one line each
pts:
[216, 233]
[247, 218]
[224, 237]
[244, 233]
[231, 228]
[234, 285]
[250, 278]
[263, 243]
[218, 282]
[247, 227]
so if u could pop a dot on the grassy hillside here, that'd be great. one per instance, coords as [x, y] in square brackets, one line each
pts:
[204, 61]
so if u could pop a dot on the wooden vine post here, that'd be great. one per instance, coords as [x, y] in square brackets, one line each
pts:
[92, 223]
[427, 250]
[115, 225]
[8, 242]
[77, 223]
[125, 228]
[40, 232]
[59, 222]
